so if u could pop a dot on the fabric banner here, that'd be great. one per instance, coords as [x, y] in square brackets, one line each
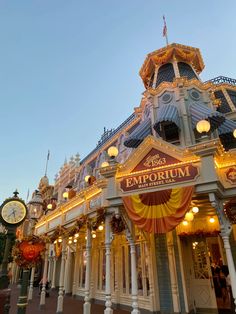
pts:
[161, 211]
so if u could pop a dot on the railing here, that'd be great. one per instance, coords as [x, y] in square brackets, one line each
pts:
[222, 79]
[122, 125]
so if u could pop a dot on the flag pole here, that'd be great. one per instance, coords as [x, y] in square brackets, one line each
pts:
[46, 169]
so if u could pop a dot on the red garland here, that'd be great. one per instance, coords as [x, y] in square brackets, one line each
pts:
[200, 233]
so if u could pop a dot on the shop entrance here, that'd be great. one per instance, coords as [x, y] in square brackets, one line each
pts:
[207, 275]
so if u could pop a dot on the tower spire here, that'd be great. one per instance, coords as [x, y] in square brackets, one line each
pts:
[46, 168]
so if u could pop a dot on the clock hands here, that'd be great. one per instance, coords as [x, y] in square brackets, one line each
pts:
[13, 213]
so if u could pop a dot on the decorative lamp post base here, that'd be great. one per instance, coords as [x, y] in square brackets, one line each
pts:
[87, 308]
[22, 300]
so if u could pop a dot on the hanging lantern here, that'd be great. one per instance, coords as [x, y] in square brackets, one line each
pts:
[203, 126]
[189, 217]
[234, 133]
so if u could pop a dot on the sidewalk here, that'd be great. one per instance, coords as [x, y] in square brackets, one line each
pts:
[71, 305]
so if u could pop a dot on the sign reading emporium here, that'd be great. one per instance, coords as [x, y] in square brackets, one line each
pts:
[157, 169]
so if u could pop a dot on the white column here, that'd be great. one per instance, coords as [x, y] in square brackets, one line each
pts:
[134, 280]
[87, 303]
[54, 272]
[108, 239]
[61, 282]
[230, 261]
[66, 274]
[31, 287]
[49, 269]
[75, 272]
[226, 229]
[45, 272]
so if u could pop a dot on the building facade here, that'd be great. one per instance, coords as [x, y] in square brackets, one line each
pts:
[151, 230]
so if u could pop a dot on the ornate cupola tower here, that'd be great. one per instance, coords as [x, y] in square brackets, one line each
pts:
[170, 62]
[179, 98]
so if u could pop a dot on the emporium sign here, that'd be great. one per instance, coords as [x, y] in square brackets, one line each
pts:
[146, 177]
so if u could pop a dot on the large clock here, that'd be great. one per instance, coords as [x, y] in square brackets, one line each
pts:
[13, 212]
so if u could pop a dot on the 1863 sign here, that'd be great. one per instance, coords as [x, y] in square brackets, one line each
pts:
[174, 172]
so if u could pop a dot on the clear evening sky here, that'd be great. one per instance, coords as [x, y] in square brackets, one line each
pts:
[70, 67]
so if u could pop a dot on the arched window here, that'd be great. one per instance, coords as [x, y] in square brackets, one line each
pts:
[186, 70]
[165, 74]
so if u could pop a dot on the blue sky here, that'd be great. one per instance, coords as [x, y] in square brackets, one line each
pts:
[70, 67]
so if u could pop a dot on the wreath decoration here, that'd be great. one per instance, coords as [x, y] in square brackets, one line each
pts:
[117, 224]
[28, 252]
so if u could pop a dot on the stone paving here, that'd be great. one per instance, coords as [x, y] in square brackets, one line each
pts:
[71, 305]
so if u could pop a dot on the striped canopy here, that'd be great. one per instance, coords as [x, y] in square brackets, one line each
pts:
[167, 113]
[138, 135]
[202, 112]
[227, 127]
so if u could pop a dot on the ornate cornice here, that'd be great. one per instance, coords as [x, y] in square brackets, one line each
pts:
[179, 82]
[164, 55]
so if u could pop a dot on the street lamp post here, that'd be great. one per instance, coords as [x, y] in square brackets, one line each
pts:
[13, 212]
[35, 211]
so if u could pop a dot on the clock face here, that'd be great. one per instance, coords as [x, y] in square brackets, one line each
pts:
[13, 212]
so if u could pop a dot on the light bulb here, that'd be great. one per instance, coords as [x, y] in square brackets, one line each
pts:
[185, 223]
[212, 220]
[195, 209]
[100, 227]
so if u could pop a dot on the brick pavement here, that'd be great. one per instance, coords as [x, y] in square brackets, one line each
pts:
[71, 305]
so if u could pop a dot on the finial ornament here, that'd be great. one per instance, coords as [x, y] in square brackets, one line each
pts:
[16, 193]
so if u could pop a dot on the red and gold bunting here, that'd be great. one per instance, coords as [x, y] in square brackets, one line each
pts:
[161, 211]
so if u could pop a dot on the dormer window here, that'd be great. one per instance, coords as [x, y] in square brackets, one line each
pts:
[169, 132]
[167, 124]
[165, 74]
[186, 70]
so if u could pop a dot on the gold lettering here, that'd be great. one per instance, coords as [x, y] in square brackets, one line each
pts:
[183, 172]
[145, 177]
[173, 173]
[161, 175]
[153, 177]
[129, 182]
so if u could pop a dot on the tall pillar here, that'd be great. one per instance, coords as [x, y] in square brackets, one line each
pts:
[54, 272]
[226, 229]
[108, 239]
[50, 269]
[134, 280]
[75, 272]
[31, 287]
[45, 273]
[66, 273]
[61, 281]
[87, 303]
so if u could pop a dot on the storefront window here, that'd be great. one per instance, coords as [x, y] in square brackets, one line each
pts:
[200, 260]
